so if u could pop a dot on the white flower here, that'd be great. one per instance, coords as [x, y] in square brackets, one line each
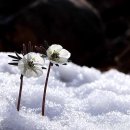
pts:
[57, 55]
[31, 65]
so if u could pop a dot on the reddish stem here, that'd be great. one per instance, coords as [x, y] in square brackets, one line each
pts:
[20, 92]
[45, 88]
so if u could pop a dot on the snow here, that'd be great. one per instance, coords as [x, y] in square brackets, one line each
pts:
[78, 98]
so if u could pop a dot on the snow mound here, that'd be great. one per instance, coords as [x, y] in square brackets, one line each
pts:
[78, 98]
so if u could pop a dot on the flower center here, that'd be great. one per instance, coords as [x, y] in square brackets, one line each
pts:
[30, 64]
[55, 55]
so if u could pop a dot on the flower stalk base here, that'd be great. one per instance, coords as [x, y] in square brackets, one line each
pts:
[20, 92]
[45, 88]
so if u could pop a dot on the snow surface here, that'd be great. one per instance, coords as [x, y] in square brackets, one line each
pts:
[78, 98]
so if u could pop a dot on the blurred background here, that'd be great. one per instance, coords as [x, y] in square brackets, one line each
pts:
[96, 32]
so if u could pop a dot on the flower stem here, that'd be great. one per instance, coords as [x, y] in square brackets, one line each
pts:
[45, 88]
[20, 92]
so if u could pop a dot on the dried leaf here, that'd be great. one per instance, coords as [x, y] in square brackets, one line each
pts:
[15, 60]
[14, 57]
[18, 56]
[30, 47]
[24, 49]
[57, 65]
[15, 64]
[64, 64]
[46, 44]
[43, 68]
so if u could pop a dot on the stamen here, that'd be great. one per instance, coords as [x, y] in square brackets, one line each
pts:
[30, 64]
[55, 55]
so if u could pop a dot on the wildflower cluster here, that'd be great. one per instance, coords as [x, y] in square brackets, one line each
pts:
[31, 64]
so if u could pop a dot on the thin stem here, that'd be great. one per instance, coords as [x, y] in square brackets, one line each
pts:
[45, 88]
[20, 92]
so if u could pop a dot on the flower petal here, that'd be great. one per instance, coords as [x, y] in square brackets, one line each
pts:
[33, 72]
[55, 47]
[29, 73]
[52, 48]
[21, 65]
[54, 62]
[59, 61]
[36, 69]
[63, 60]
[28, 56]
[64, 54]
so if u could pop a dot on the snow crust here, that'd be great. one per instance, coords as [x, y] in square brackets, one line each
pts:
[78, 98]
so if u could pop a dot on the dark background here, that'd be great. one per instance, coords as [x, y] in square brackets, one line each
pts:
[96, 32]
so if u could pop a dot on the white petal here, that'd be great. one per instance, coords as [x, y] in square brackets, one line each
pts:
[29, 73]
[52, 48]
[55, 47]
[38, 71]
[54, 62]
[21, 65]
[34, 71]
[64, 54]
[63, 60]
[39, 60]
[59, 61]
[28, 56]
[49, 53]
